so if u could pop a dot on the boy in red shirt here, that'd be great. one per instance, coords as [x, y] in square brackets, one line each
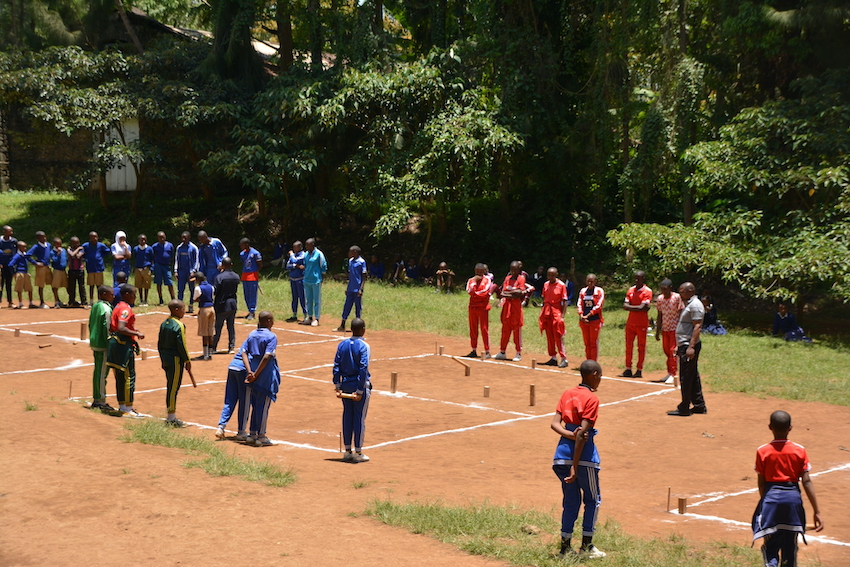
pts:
[122, 348]
[780, 516]
[479, 289]
[551, 319]
[589, 304]
[669, 306]
[512, 295]
[576, 460]
[638, 300]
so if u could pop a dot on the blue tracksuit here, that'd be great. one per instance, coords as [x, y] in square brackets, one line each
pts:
[353, 297]
[315, 265]
[210, 256]
[296, 282]
[163, 260]
[185, 262]
[250, 278]
[236, 393]
[351, 375]
[263, 391]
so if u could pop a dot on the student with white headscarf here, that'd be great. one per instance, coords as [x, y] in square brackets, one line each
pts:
[121, 254]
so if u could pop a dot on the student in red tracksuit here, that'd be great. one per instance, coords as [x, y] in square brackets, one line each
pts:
[589, 304]
[512, 295]
[479, 288]
[637, 303]
[552, 317]
[669, 305]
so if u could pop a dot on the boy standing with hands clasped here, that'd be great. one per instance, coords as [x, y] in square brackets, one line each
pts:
[174, 356]
[576, 459]
[351, 381]
[780, 516]
[479, 288]
[263, 377]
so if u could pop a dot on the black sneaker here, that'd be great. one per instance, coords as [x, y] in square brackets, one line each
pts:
[703, 410]
[551, 362]
[638, 374]
[627, 373]
[292, 320]
[472, 354]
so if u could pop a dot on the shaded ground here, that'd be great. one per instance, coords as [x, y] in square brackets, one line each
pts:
[72, 492]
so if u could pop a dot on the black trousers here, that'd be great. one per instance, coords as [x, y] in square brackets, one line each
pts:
[7, 276]
[690, 380]
[76, 278]
[221, 318]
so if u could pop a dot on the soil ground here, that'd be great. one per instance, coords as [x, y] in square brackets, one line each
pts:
[72, 493]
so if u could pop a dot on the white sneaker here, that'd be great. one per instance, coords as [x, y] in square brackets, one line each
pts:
[348, 457]
[500, 356]
[591, 552]
[518, 357]
[486, 356]
[670, 379]
[315, 323]
[219, 433]
[359, 458]
[563, 364]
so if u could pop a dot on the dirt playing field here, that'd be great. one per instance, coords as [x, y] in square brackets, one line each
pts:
[72, 493]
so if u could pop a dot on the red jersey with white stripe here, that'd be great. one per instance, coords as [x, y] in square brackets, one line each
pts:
[639, 296]
[479, 293]
[782, 461]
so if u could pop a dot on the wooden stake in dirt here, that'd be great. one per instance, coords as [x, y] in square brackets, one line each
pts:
[17, 332]
[441, 350]
[340, 441]
[393, 382]
[43, 334]
[683, 505]
[532, 395]
[533, 363]
[144, 354]
[70, 385]
[436, 347]
[84, 331]
[486, 391]
[668, 499]
[466, 369]
[45, 346]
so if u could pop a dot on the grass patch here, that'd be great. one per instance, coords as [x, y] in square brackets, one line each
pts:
[30, 406]
[503, 533]
[214, 460]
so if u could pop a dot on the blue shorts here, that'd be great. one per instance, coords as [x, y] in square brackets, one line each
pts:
[162, 274]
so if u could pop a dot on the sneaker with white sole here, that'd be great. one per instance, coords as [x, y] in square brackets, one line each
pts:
[314, 323]
[263, 442]
[174, 423]
[359, 458]
[670, 379]
[518, 357]
[219, 433]
[347, 457]
[500, 356]
[564, 363]
[591, 552]
[130, 412]
[487, 356]
[249, 439]
[241, 436]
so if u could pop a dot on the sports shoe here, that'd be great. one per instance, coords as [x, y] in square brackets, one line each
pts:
[102, 406]
[190, 310]
[315, 323]
[359, 458]
[347, 457]
[487, 356]
[666, 380]
[518, 357]
[564, 363]
[472, 354]
[59, 305]
[249, 439]
[174, 422]
[207, 357]
[44, 306]
[219, 433]
[678, 413]
[638, 374]
[306, 321]
[551, 362]
[340, 329]
[241, 436]
[130, 412]
[263, 442]
[500, 356]
[627, 373]
[231, 350]
[249, 316]
[32, 305]
[701, 410]
[292, 319]
[591, 552]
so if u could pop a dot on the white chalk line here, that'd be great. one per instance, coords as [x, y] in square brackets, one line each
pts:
[723, 495]
[727, 521]
[86, 320]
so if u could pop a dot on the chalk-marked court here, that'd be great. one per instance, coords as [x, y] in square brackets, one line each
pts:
[748, 526]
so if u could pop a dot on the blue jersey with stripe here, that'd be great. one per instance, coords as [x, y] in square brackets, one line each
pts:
[351, 366]
[258, 344]
[250, 257]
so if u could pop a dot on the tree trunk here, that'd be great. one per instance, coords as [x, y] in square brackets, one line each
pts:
[193, 155]
[322, 183]
[283, 18]
[316, 40]
[683, 28]
[261, 204]
[101, 179]
[430, 224]
[4, 155]
[438, 23]
[129, 27]
[378, 18]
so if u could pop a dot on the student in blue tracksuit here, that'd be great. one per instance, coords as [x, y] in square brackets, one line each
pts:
[356, 282]
[351, 376]
[163, 265]
[263, 379]
[185, 264]
[211, 252]
[252, 263]
[295, 267]
[58, 263]
[235, 394]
